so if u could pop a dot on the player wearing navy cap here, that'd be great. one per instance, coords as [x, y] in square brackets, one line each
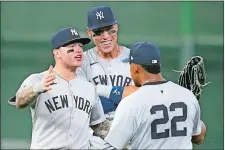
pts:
[160, 114]
[60, 108]
[103, 64]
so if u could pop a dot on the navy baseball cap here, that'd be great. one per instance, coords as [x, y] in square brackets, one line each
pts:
[100, 16]
[144, 53]
[66, 36]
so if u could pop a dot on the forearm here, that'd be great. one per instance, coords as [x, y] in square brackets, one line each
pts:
[119, 91]
[26, 96]
[101, 129]
[112, 94]
[198, 139]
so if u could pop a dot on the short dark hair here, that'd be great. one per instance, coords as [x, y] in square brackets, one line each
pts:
[154, 69]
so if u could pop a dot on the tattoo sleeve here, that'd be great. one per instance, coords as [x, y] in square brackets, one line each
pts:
[25, 97]
[102, 129]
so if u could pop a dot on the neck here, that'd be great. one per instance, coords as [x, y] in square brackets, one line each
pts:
[65, 73]
[148, 78]
[111, 55]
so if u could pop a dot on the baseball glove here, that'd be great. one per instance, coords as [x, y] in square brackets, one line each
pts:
[193, 76]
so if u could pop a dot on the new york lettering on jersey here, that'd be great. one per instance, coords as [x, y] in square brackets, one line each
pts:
[63, 98]
[114, 72]
[67, 110]
[112, 77]
[61, 101]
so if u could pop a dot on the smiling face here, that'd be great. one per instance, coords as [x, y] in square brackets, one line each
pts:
[105, 38]
[70, 55]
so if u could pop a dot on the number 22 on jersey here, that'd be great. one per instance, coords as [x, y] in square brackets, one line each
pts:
[173, 129]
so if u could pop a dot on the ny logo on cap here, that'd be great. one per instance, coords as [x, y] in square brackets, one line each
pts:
[73, 31]
[100, 15]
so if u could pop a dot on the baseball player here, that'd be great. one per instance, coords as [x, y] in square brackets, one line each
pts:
[103, 63]
[160, 114]
[60, 107]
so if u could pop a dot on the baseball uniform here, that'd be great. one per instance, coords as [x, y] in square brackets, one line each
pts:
[61, 116]
[160, 115]
[100, 71]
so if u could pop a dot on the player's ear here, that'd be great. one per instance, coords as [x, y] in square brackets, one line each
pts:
[116, 27]
[139, 69]
[56, 52]
[134, 67]
[88, 32]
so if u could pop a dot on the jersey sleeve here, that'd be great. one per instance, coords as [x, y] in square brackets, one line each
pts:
[197, 128]
[123, 126]
[29, 82]
[97, 115]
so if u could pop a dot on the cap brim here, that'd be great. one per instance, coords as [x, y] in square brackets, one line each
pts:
[96, 27]
[126, 60]
[12, 101]
[84, 41]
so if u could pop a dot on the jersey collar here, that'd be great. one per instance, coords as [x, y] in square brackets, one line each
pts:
[155, 83]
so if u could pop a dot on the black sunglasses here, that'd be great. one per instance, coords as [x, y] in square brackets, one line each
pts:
[101, 31]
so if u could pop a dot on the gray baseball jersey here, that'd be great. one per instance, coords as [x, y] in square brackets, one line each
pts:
[101, 71]
[162, 115]
[61, 116]
[112, 73]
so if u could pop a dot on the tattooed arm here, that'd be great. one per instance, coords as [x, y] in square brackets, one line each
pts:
[26, 96]
[102, 129]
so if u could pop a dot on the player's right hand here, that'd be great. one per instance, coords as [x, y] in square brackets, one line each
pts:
[46, 81]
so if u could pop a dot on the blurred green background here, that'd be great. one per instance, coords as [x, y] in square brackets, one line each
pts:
[26, 28]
